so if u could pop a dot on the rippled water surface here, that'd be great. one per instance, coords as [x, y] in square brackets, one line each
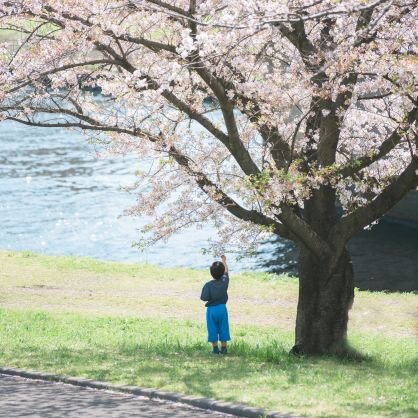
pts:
[57, 197]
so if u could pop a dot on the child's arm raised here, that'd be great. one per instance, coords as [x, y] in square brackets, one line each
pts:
[223, 258]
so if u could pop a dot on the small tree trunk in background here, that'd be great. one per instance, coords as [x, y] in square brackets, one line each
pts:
[324, 302]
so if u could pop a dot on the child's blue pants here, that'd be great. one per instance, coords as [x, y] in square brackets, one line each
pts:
[217, 322]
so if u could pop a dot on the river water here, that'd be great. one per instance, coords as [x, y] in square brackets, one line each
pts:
[57, 197]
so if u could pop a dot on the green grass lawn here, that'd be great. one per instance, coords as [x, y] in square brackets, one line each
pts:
[144, 325]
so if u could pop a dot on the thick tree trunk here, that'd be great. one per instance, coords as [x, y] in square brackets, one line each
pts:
[324, 302]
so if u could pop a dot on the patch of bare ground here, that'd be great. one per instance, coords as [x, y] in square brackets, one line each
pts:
[117, 289]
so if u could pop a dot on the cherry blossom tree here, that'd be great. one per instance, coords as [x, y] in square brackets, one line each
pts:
[295, 118]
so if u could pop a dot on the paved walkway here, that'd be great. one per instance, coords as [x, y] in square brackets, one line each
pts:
[21, 397]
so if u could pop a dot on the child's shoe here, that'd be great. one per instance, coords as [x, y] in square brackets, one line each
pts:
[224, 350]
[215, 350]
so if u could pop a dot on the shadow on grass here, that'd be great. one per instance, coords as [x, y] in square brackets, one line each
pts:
[191, 368]
[382, 410]
[173, 356]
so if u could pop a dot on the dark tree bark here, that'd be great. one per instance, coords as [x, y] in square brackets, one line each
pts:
[326, 284]
[325, 299]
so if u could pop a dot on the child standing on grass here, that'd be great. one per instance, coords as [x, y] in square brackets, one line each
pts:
[215, 294]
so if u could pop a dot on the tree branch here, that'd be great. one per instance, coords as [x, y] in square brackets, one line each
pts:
[79, 125]
[90, 123]
[297, 36]
[304, 233]
[330, 127]
[216, 84]
[392, 194]
[170, 7]
[387, 145]
[154, 45]
[60, 69]
[291, 18]
[219, 196]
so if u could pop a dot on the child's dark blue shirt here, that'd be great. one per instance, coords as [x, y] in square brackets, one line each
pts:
[215, 292]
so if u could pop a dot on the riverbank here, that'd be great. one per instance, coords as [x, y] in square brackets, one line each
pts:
[144, 325]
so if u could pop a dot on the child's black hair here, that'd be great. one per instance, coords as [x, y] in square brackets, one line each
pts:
[217, 269]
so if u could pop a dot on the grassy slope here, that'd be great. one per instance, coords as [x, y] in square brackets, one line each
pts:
[144, 325]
